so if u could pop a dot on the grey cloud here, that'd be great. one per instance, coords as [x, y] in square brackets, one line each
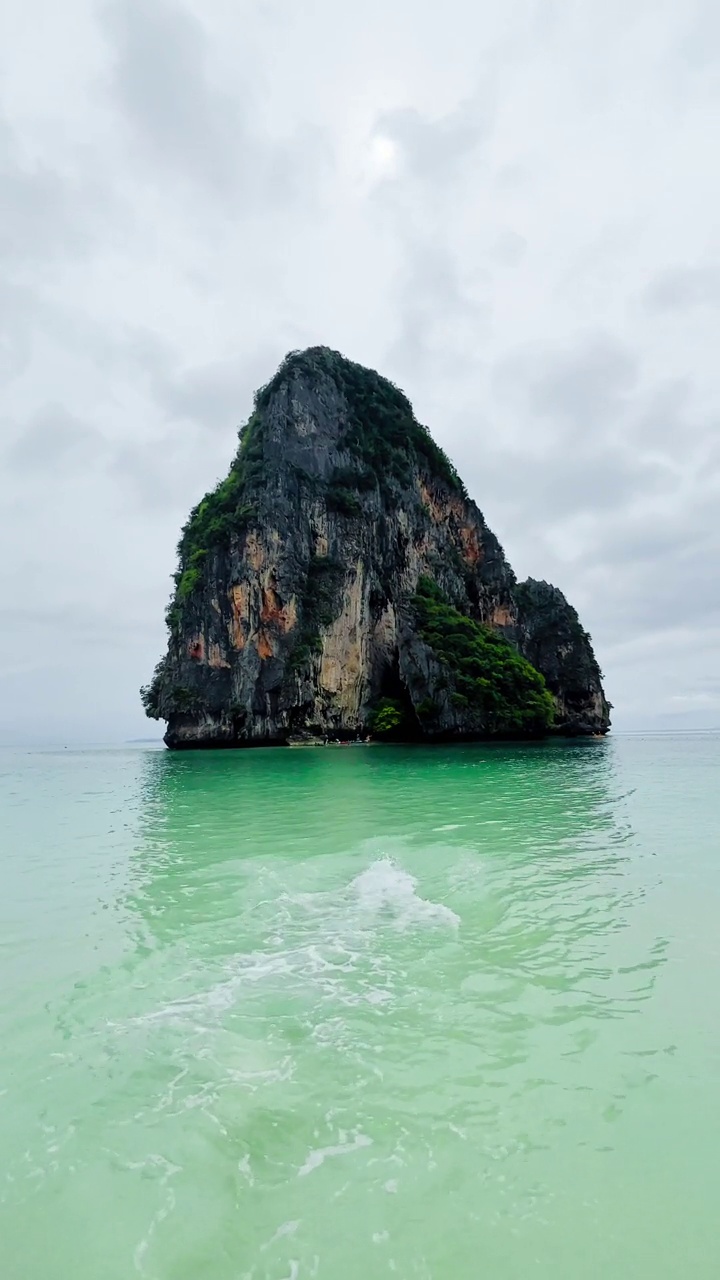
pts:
[667, 417]
[645, 567]
[590, 478]
[161, 81]
[646, 698]
[166, 473]
[579, 387]
[15, 336]
[679, 288]
[665, 565]
[55, 440]
[204, 405]
[435, 150]
[656, 593]
[442, 311]
[183, 122]
[83, 687]
[509, 247]
[31, 316]
[91, 624]
[441, 323]
[45, 212]
[546, 17]
[699, 42]
[217, 395]
[35, 214]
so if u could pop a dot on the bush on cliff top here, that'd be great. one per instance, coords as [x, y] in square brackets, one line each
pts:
[382, 431]
[489, 675]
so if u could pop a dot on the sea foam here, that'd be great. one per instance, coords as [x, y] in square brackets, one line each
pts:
[387, 890]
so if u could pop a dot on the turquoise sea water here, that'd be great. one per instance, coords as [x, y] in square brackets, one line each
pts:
[356, 1013]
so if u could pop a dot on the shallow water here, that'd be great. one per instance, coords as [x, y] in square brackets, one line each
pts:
[357, 1013]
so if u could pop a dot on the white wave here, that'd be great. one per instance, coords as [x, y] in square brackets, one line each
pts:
[287, 1229]
[329, 939]
[320, 1154]
[384, 888]
[223, 995]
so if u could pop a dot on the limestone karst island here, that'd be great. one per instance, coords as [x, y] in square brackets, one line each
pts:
[340, 583]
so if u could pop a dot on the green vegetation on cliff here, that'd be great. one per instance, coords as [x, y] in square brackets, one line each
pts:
[159, 698]
[488, 674]
[151, 694]
[387, 719]
[222, 512]
[225, 508]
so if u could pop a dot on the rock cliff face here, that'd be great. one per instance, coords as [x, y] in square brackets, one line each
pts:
[551, 638]
[340, 580]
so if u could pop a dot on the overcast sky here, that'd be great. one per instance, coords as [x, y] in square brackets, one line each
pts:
[509, 207]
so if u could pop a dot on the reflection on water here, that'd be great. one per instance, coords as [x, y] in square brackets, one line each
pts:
[372, 1011]
[202, 811]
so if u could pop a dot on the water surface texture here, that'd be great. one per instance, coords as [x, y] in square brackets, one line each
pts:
[363, 1012]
